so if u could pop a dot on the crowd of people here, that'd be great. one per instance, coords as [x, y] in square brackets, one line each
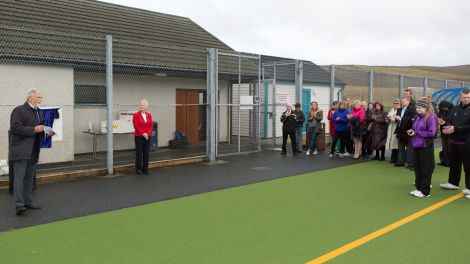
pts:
[408, 130]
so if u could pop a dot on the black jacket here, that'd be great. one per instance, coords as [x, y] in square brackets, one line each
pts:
[289, 123]
[460, 119]
[300, 118]
[24, 144]
[405, 123]
[445, 115]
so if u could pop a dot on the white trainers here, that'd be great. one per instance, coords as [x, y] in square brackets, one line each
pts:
[315, 152]
[413, 192]
[345, 154]
[330, 156]
[466, 191]
[420, 194]
[308, 153]
[449, 186]
[468, 196]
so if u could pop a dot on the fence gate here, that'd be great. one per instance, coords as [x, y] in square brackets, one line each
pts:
[238, 108]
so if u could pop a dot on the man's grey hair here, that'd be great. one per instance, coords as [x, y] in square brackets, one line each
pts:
[33, 93]
[144, 102]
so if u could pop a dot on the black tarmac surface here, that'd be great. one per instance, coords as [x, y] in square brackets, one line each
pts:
[95, 195]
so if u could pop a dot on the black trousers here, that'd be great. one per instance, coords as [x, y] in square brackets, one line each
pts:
[423, 167]
[141, 154]
[343, 137]
[366, 150]
[458, 155]
[293, 141]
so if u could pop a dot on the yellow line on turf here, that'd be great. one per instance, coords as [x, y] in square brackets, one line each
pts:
[339, 251]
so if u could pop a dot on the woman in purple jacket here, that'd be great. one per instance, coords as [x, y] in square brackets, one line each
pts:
[422, 136]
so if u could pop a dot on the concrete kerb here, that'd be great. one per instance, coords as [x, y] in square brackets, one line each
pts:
[44, 178]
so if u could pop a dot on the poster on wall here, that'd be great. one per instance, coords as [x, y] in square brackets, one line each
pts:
[283, 98]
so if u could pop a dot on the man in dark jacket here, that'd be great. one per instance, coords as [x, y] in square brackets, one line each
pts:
[459, 131]
[445, 109]
[298, 129]
[26, 128]
[404, 117]
[289, 124]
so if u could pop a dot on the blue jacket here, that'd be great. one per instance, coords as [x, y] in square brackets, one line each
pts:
[342, 124]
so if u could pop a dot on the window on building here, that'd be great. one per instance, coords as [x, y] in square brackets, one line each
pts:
[90, 94]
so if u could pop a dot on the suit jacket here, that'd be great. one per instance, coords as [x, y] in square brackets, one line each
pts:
[405, 123]
[24, 144]
[140, 126]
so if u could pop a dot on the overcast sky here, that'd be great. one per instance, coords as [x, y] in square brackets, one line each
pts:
[398, 32]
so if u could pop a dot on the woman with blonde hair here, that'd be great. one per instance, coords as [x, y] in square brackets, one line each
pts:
[356, 118]
[422, 135]
[314, 127]
[143, 125]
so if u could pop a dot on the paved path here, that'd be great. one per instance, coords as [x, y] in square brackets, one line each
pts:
[95, 195]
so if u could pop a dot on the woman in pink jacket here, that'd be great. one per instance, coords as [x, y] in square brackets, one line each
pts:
[357, 123]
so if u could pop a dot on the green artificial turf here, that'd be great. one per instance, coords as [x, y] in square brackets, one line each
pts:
[290, 220]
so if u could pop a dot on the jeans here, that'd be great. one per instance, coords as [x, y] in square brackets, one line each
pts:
[313, 139]
[298, 138]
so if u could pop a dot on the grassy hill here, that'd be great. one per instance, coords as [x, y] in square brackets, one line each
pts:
[386, 80]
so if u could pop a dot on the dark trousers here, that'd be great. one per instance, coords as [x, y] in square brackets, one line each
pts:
[141, 154]
[349, 143]
[410, 153]
[394, 156]
[293, 141]
[401, 152]
[366, 150]
[459, 155]
[380, 153]
[423, 167]
[445, 151]
[342, 136]
[23, 182]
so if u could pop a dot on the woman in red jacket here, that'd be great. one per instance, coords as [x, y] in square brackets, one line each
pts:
[143, 126]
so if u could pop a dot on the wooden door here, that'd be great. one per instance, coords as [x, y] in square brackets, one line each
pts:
[187, 114]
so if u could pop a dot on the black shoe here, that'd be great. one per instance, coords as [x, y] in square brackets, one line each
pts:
[382, 158]
[33, 207]
[399, 165]
[20, 210]
[145, 172]
[138, 172]
[375, 158]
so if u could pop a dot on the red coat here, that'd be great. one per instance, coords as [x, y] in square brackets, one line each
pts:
[332, 123]
[140, 125]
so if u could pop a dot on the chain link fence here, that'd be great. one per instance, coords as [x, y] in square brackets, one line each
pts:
[251, 93]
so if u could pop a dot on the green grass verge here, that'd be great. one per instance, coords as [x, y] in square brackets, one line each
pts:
[290, 220]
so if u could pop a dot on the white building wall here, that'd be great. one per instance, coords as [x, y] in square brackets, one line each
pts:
[56, 84]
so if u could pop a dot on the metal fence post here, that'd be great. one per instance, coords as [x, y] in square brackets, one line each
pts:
[332, 83]
[212, 83]
[299, 82]
[400, 93]
[258, 101]
[371, 86]
[109, 105]
[274, 105]
[238, 111]
[425, 86]
[462, 84]
[446, 83]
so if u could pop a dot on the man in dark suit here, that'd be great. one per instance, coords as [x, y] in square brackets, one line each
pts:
[404, 117]
[26, 128]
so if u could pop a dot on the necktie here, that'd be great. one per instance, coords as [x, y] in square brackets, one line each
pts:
[37, 115]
